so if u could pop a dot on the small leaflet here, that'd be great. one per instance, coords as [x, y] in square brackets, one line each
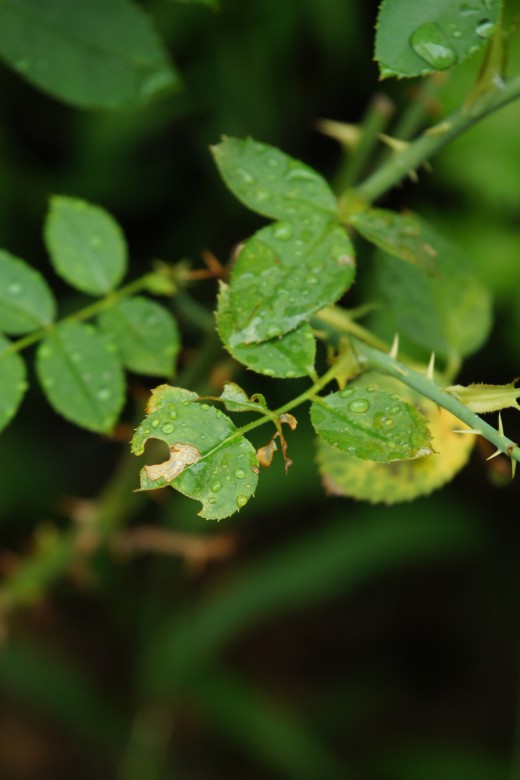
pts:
[401, 235]
[26, 301]
[13, 383]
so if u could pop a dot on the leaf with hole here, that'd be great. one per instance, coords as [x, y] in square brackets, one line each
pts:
[208, 460]
[26, 302]
[86, 245]
[416, 38]
[145, 334]
[270, 182]
[401, 235]
[96, 54]
[13, 383]
[81, 376]
[371, 424]
[284, 274]
[290, 356]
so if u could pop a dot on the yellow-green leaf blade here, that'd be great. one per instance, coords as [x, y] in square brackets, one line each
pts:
[270, 182]
[145, 334]
[96, 54]
[371, 424]
[86, 245]
[26, 301]
[209, 461]
[13, 383]
[81, 376]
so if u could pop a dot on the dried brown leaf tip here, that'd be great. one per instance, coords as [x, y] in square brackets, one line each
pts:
[265, 454]
[181, 456]
[289, 420]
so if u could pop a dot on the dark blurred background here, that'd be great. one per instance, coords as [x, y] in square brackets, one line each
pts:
[309, 636]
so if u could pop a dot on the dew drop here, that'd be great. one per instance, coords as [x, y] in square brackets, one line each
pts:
[468, 10]
[241, 501]
[168, 428]
[155, 423]
[268, 371]
[240, 473]
[216, 486]
[103, 394]
[273, 331]
[283, 231]
[389, 423]
[485, 28]
[262, 195]
[172, 413]
[204, 407]
[212, 500]
[14, 289]
[347, 392]
[359, 405]
[301, 174]
[430, 43]
[245, 176]
[395, 410]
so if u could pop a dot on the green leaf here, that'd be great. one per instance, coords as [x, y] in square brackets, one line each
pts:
[290, 356]
[236, 400]
[86, 245]
[213, 4]
[145, 334]
[416, 38]
[448, 312]
[96, 54]
[401, 235]
[371, 424]
[81, 376]
[285, 273]
[270, 182]
[26, 302]
[13, 383]
[209, 460]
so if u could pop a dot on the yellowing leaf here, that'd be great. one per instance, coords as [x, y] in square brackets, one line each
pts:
[482, 398]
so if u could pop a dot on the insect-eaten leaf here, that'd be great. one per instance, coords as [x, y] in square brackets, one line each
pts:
[26, 301]
[288, 357]
[416, 38]
[285, 273]
[209, 460]
[13, 383]
[481, 398]
[272, 183]
[345, 475]
[236, 399]
[371, 424]
[401, 235]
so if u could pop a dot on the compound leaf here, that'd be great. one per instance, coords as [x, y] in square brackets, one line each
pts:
[209, 461]
[371, 424]
[417, 38]
[401, 235]
[26, 302]
[145, 334]
[292, 355]
[81, 376]
[13, 383]
[270, 182]
[97, 54]
[86, 245]
[285, 273]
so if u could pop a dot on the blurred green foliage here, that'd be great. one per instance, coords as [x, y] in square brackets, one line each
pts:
[310, 636]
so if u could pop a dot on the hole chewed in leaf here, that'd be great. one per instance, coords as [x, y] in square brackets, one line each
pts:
[181, 456]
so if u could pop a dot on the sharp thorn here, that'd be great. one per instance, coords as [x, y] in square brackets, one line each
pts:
[500, 424]
[513, 468]
[467, 430]
[431, 368]
[395, 347]
[498, 452]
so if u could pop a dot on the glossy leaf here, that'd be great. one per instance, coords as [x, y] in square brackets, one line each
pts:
[371, 424]
[417, 38]
[86, 245]
[26, 302]
[209, 461]
[344, 474]
[270, 182]
[401, 235]
[145, 334]
[285, 273]
[96, 54]
[448, 312]
[236, 400]
[81, 376]
[13, 383]
[292, 355]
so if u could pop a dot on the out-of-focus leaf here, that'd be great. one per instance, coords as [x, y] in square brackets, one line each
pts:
[371, 424]
[338, 557]
[447, 312]
[285, 273]
[279, 739]
[432, 762]
[209, 461]
[146, 335]
[481, 398]
[97, 54]
[389, 483]
[26, 302]
[292, 355]
[210, 3]
[401, 235]
[13, 383]
[272, 183]
[81, 376]
[416, 38]
[86, 245]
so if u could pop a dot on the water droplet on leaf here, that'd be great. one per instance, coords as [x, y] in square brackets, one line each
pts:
[283, 231]
[359, 405]
[430, 43]
[168, 428]
[240, 473]
[241, 501]
[216, 486]
[14, 289]
[485, 28]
